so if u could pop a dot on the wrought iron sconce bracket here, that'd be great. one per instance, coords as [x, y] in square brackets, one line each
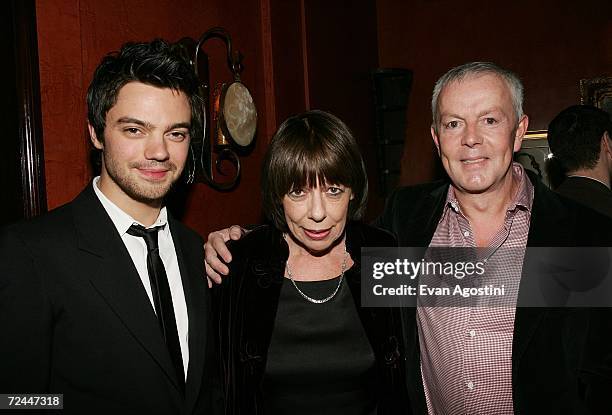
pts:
[228, 111]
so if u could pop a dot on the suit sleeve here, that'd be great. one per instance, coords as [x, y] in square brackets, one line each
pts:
[25, 319]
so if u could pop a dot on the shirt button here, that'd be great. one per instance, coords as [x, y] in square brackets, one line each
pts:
[472, 333]
[470, 385]
[466, 234]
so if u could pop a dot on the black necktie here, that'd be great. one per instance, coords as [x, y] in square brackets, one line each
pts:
[162, 299]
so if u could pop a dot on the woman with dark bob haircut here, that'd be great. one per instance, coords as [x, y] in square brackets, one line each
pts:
[293, 337]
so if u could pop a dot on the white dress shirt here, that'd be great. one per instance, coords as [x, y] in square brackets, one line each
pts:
[137, 248]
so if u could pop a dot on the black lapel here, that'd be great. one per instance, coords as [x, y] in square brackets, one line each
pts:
[549, 226]
[260, 292]
[191, 265]
[424, 219]
[114, 276]
[355, 238]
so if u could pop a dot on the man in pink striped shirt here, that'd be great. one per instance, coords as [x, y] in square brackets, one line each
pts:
[478, 125]
[497, 360]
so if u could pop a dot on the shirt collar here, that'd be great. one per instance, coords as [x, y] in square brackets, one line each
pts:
[524, 194]
[122, 220]
[522, 199]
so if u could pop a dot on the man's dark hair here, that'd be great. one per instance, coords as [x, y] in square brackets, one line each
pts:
[574, 136]
[156, 63]
[309, 149]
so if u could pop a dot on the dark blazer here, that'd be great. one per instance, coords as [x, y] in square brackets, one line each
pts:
[561, 358]
[247, 302]
[76, 319]
[588, 192]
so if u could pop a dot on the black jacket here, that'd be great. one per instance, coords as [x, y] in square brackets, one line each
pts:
[561, 358]
[76, 319]
[246, 306]
[588, 192]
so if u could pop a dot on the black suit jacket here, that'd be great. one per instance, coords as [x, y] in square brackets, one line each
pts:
[588, 192]
[76, 319]
[561, 358]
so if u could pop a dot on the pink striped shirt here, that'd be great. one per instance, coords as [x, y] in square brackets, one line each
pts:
[466, 352]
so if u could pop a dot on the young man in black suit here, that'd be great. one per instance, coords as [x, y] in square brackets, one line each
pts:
[103, 299]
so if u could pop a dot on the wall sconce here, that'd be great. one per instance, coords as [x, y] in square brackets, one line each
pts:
[228, 112]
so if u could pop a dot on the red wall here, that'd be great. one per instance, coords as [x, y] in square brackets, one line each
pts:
[298, 55]
[342, 49]
[316, 54]
[323, 53]
[550, 44]
[288, 56]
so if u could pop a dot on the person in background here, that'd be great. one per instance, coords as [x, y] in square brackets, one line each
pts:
[293, 337]
[580, 138]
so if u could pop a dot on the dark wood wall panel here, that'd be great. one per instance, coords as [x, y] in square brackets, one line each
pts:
[10, 165]
[28, 100]
[23, 175]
